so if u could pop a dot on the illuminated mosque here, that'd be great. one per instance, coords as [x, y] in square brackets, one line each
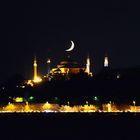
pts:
[70, 67]
[64, 68]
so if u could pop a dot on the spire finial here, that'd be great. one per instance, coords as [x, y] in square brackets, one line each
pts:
[106, 63]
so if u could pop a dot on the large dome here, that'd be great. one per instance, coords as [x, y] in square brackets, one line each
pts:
[68, 64]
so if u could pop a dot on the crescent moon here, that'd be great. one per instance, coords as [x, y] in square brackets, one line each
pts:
[71, 48]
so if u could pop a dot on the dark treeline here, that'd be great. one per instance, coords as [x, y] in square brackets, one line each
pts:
[120, 86]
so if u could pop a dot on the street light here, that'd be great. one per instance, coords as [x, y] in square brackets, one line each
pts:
[134, 103]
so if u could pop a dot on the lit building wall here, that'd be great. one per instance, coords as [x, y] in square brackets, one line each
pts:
[65, 70]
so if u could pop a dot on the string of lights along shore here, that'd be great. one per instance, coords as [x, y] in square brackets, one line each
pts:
[65, 67]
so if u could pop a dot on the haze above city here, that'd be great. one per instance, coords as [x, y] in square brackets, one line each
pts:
[46, 29]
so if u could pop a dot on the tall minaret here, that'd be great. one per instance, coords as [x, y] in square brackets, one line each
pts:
[48, 68]
[88, 65]
[35, 69]
[106, 63]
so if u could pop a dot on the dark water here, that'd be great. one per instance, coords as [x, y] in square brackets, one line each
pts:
[70, 126]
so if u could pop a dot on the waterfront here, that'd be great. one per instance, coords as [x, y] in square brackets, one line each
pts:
[49, 107]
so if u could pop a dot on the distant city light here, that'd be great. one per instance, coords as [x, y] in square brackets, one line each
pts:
[22, 86]
[31, 98]
[48, 61]
[118, 76]
[96, 98]
[18, 99]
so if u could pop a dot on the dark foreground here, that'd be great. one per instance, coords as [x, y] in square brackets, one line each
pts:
[49, 126]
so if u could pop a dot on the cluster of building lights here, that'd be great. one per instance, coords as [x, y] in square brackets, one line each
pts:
[48, 107]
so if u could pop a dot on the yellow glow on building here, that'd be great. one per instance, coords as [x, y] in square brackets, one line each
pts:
[47, 106]
[18, 99]
[29, 82]
[37, 79]
[27, 108]
[89, 108]
[69, 70]
[66, 67]
[67, 108]
[109, 107]
[64, 70]
[10, 107]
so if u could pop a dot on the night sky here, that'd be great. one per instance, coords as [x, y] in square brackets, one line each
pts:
[45, 30]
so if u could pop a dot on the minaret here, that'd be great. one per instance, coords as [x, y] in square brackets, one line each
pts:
[48, 68]
[35, 69]
[88, 65]
[106, 63]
